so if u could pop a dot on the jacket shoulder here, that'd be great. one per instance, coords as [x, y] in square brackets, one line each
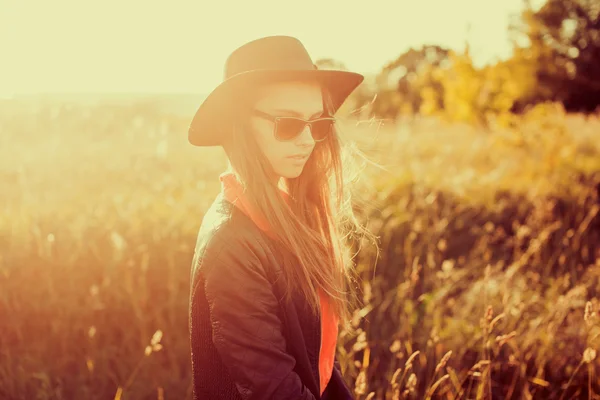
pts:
[223, 221]
[226, 232]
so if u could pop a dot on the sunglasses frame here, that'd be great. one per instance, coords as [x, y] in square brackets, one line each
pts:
[276, 119]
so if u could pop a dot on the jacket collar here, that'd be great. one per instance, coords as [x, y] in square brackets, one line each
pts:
[233, 192]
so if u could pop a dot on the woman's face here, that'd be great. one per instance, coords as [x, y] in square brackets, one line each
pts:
[297, 99]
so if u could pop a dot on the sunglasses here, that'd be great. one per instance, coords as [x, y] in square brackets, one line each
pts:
[289, 128]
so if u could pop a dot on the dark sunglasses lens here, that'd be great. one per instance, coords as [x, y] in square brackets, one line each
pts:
[289, 128]
[321, 128]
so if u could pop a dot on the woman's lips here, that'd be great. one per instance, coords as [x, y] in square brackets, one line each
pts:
[299, 158]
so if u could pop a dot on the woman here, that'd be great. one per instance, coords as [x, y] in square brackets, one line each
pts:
[272, 277]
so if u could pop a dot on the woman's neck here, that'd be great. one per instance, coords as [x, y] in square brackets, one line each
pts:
[278, 181]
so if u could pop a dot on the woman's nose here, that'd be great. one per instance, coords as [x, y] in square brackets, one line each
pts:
[306, 137]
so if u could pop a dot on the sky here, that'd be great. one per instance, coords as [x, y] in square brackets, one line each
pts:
[181, 45]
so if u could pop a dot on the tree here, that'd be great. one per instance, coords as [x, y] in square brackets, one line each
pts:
[563, 37]
[403, 82]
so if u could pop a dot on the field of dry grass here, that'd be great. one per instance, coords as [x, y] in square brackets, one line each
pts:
[486, 285]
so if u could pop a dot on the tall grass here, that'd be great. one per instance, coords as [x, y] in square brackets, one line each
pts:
[486, 286]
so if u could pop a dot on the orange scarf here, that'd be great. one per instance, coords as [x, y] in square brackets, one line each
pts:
[232, 191]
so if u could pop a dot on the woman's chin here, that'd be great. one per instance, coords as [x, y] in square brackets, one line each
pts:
[293, 172]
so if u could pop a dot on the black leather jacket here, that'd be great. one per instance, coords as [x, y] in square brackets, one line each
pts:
[247, 342]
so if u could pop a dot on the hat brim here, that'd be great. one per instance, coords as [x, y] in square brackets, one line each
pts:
[212, 121]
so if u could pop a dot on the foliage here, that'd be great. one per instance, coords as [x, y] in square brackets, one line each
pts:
[556, 51]
[564, 36]
[402, 83]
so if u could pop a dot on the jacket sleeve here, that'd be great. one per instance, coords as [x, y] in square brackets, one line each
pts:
[246, 328]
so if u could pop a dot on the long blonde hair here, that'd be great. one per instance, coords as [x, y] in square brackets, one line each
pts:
[318, 224]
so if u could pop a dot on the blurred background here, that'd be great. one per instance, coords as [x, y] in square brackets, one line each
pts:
[483, 116]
